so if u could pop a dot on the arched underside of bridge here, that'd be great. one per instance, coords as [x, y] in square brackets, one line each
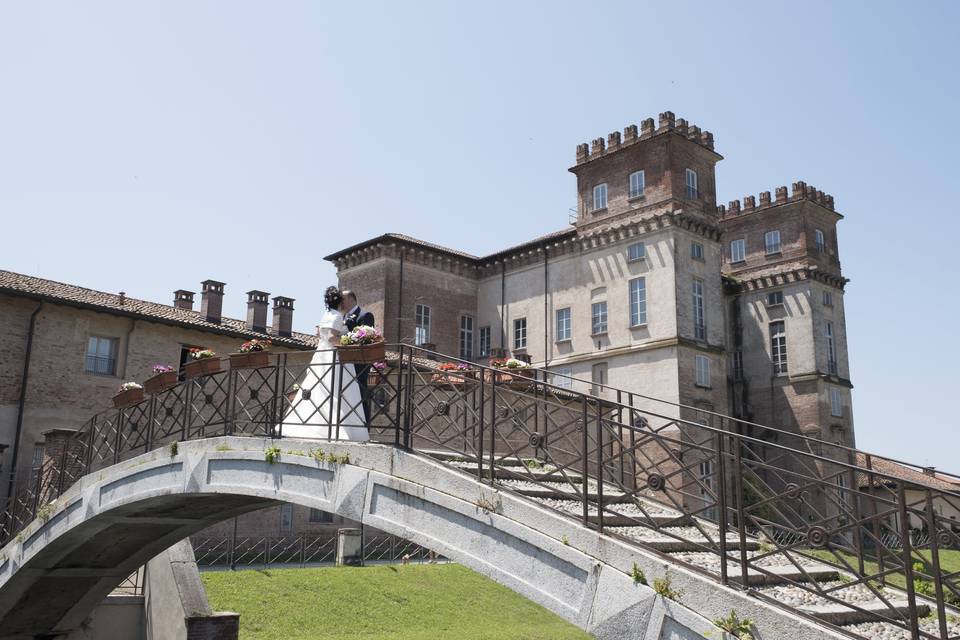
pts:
[112, 521]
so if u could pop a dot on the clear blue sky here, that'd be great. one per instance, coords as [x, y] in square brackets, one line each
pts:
[146, 147]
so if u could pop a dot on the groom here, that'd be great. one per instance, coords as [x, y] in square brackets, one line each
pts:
[357, 317]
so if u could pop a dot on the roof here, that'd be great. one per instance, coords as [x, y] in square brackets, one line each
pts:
[888, 467]
[72, 295]
[452, 252]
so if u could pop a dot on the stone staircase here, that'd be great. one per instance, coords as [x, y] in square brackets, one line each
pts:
[680, 537]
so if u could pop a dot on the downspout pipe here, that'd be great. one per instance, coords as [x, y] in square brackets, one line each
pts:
[403, 254]
[546, 310]
[21, 403]
[503, 306]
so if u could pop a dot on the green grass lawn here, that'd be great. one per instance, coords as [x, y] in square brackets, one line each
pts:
[413, 602]
[949, 562]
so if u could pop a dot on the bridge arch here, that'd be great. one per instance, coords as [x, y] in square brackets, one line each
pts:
[114, 520]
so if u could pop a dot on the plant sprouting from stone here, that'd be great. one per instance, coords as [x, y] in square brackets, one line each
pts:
[637, 574]
[565, 540]
[741, 628]
[272, 455]
[174, 447]
[322, 456]
[490, 506]
[664, 587]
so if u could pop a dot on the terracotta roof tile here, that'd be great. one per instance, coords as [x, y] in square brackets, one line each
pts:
[903, 472]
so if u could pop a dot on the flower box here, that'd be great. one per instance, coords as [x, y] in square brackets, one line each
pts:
[128, 398]
[362, 353]
[201, 367]
[160, 382]
[455, 379]
[517, 379]
[249, 359]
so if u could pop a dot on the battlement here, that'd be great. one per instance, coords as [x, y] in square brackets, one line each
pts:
[631, 135]
[801, 191]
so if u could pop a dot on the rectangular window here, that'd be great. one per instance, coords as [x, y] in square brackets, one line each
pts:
[598, 318]
[101, 356]
[598, 375]
[706, 488]
[637, 184]
[37, 461]
[696, 251]
[775, 298]
[771, 240]
[520, 333]
[564, 325]
[421, 334]
[831, 350]
[320, 517]
[778, 347]
[466, 337]
[738, 365]
[484, 341]
[693, 190]
[561, 378]
[702, 366]
[638, 302]
[286, 517]
[699, 318]
[819, 240]
[836, 402]
[827, 299]
[600, 197]
[738, 250]
[636, 251]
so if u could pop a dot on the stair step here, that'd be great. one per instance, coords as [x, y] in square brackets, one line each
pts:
[781, 575]
[544, 492]
[840, 615]
[688, 539]
[521, 473]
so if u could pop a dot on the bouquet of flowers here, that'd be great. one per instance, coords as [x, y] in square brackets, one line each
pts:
[161, 368]
[509, 363]
[202, 354]
[127, 386]
[251, 346]
[379, 366]
[454, 366]
[360, 336]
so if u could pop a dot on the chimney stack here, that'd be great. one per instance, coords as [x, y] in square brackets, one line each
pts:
[183, 299]
[211, 301]
[282, 316]
[257, 302]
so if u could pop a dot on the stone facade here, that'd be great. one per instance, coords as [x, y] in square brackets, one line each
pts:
[699, 304]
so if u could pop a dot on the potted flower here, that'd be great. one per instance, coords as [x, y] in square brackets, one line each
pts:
[375, 376]
[363, 345]
[130, 393]
[203, 362]
[453, 373]
[253, 353]
[512, 372]
[163, 378]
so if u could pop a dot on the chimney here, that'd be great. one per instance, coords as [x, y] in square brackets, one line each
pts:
[282, 316]
[211, 301]
[183, 299]
[257, 302]
[930, 471]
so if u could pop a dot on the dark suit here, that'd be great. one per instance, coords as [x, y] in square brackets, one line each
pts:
[357, 317]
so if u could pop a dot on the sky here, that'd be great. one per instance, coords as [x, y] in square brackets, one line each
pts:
[145, 147]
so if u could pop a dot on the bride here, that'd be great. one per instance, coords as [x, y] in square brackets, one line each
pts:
[317, 410]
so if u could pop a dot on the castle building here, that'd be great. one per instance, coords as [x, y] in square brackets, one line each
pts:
[653, 288]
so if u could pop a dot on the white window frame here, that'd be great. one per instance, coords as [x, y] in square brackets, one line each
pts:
[636, 252]
[696, 251]
[97, 362]
[286, 517]
[562, 377]
[638, 302]
[638, 183]
[564, 324]
[422, 321]
[699, 311]
[485, 341]
[820, 240]
[466, 337]
[520, 333]
[771, 242]
[738, 250]
[778, 347]
[599, 197]
[693, 184]
[775, 298]
[598, 318]
[836, 403]
[701, 364]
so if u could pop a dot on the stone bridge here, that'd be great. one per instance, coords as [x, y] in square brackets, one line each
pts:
[56, 570]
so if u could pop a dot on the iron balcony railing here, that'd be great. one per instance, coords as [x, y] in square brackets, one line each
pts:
[740, 499]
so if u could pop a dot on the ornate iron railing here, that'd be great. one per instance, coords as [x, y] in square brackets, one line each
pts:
[733, 500]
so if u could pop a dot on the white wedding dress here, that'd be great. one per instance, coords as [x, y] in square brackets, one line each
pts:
[317, 411]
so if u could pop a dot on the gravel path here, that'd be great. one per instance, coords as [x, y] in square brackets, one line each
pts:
[887, 631]
[798, 597]
[630, 510]
[711, 561]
